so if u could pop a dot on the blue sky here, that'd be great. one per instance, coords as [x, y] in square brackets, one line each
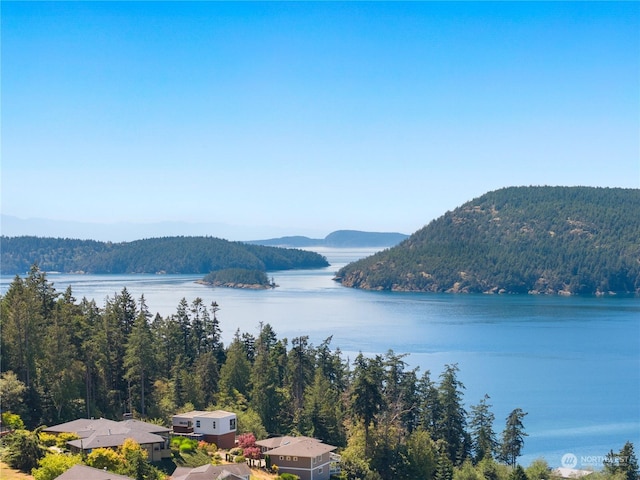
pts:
[310, 117]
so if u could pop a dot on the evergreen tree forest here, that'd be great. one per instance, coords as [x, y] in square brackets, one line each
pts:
[540, 240]
[154, 255]
[64, 358]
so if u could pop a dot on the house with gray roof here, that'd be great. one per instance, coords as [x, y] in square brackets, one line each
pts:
[83, 472]
[306, 457]
[104, 433]
[232, 471]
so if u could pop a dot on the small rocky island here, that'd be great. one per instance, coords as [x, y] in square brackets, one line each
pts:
[239, 278]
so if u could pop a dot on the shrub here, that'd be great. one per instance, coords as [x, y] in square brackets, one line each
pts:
[12, 421]
[288, 476]
[63, 438]
[240, 459]
[48, 439]
[186, 447]
[23, 450]
[54, 465]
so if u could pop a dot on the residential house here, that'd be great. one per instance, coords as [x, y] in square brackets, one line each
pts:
[232, 471]
[306, 457]
[217, 427]
[104, 433]
[83, 472]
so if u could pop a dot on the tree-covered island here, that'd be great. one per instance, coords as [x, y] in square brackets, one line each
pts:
[538, 240]
[225, 263]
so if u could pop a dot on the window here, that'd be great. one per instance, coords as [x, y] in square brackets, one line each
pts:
[288, 458]
[281, 457]
[232, 424]
[295, 459]
[197, 423]
[320, 470]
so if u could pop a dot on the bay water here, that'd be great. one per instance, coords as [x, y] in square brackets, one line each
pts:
[571, 363]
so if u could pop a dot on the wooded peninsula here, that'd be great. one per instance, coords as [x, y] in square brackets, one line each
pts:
[538, 240]
[155, 255]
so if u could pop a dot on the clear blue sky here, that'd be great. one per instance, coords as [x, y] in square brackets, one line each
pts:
[310, 117]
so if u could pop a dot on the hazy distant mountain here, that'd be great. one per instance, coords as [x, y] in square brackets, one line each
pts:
[12, 226]
[337, 239]
[567, 240]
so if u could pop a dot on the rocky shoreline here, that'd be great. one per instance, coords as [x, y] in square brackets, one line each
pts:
[248, 286]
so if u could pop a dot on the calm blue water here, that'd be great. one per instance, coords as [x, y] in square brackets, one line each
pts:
[572, 363]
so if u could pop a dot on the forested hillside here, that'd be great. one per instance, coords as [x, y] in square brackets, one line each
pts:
[567, 240]
[64, 359]
[165, 255]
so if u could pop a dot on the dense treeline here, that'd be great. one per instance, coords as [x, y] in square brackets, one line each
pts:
[64, 359]
[167, 255]
[234, 277]
[570, 240]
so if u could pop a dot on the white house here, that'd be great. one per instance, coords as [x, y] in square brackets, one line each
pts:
[217, 427]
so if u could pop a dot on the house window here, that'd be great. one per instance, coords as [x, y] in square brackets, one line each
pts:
[320, 470]
[295, 459]
[281, 457]
[288, 458]
[232, 424]
[197, 423]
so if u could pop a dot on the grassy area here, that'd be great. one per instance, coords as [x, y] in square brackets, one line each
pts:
[8, 473]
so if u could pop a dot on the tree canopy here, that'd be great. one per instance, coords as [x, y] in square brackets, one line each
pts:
[568, 240]
[153, 255]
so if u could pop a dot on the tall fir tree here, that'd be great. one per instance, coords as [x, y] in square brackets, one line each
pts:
[513, 437]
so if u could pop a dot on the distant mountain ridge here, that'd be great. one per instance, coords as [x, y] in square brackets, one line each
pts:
[552, 240]
[337, 239]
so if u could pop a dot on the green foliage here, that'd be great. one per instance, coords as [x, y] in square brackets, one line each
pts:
[167, 254]
[183, 444]
[22, 450]
[288, 476]
[12, 421]
[53, 465]
[518, 473]
[105, 459]
[11, 393]
[238, 276]
[539, 470]
[624, 463]
[575, 240]
[513, 437]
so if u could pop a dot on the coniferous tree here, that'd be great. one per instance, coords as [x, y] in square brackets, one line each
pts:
[428, 405]
[367, 399]
[483, 438]
[452, 421]
[625, 462]
[513, 437]
[235, 374]
[265, 396]
[139, 360]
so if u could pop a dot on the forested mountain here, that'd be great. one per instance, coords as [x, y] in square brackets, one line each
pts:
[567, 240]
[166, 255]
[338, 239]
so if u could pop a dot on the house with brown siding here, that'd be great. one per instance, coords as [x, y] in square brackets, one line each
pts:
[306, 457]
[217, 426]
